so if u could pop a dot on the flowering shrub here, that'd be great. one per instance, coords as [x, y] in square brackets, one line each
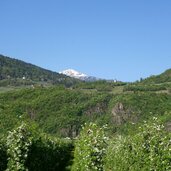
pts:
[156, 146]
[149, 150]
[18, 143]
[29, 149]
[90, 149]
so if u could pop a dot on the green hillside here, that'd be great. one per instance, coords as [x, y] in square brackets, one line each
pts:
[162, 78]
[15, 72]
[62, 111]
[56, 110]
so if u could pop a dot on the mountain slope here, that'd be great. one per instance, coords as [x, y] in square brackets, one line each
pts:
[56, 110]
[14, 69]
[161, 78]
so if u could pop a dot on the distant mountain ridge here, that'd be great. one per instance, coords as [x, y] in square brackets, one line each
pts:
[78, 75]
[16, 72]
[14, 69]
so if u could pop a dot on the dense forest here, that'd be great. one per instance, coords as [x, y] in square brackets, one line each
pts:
[52, 122]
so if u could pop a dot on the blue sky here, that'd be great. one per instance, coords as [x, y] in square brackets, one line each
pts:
[122, 39]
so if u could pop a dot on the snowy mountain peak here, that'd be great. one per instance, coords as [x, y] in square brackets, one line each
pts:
[74, 73]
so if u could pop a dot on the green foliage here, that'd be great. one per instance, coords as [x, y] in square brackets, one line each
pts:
[18, 143]
[150, 149]
[3, 155]
[57, 110]
[142, 87]
[16, 82]
[162, 78]
[60, 111]
[101, 86]
[49, 154]
[144, 105]
[90, 149]
[29, 149]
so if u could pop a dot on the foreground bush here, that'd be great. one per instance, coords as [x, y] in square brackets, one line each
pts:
[27, 149]
[149, 150]
[90, 149]
[49, 154]
[3, 156]
[18, 144]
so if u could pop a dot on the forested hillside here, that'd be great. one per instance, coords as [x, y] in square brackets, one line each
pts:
[16, 72]
[62, 111]
[56, 110]
[161, 78]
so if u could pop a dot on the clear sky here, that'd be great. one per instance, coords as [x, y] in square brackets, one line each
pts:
[122, 39]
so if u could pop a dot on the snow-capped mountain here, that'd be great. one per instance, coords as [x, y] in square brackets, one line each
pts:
[75, 74]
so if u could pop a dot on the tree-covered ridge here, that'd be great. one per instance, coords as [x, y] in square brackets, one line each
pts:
[16, 72]
[161, 78]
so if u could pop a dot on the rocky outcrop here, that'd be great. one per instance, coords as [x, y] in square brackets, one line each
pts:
[168, 126]
[71, 131]
[120, 114]
[100, 108]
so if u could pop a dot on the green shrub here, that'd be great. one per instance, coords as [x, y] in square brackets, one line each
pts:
[18, 143]
[142, 87]
[3, 156]
[149, 150]
[29, 149]
[90, 149]
[49, 154]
